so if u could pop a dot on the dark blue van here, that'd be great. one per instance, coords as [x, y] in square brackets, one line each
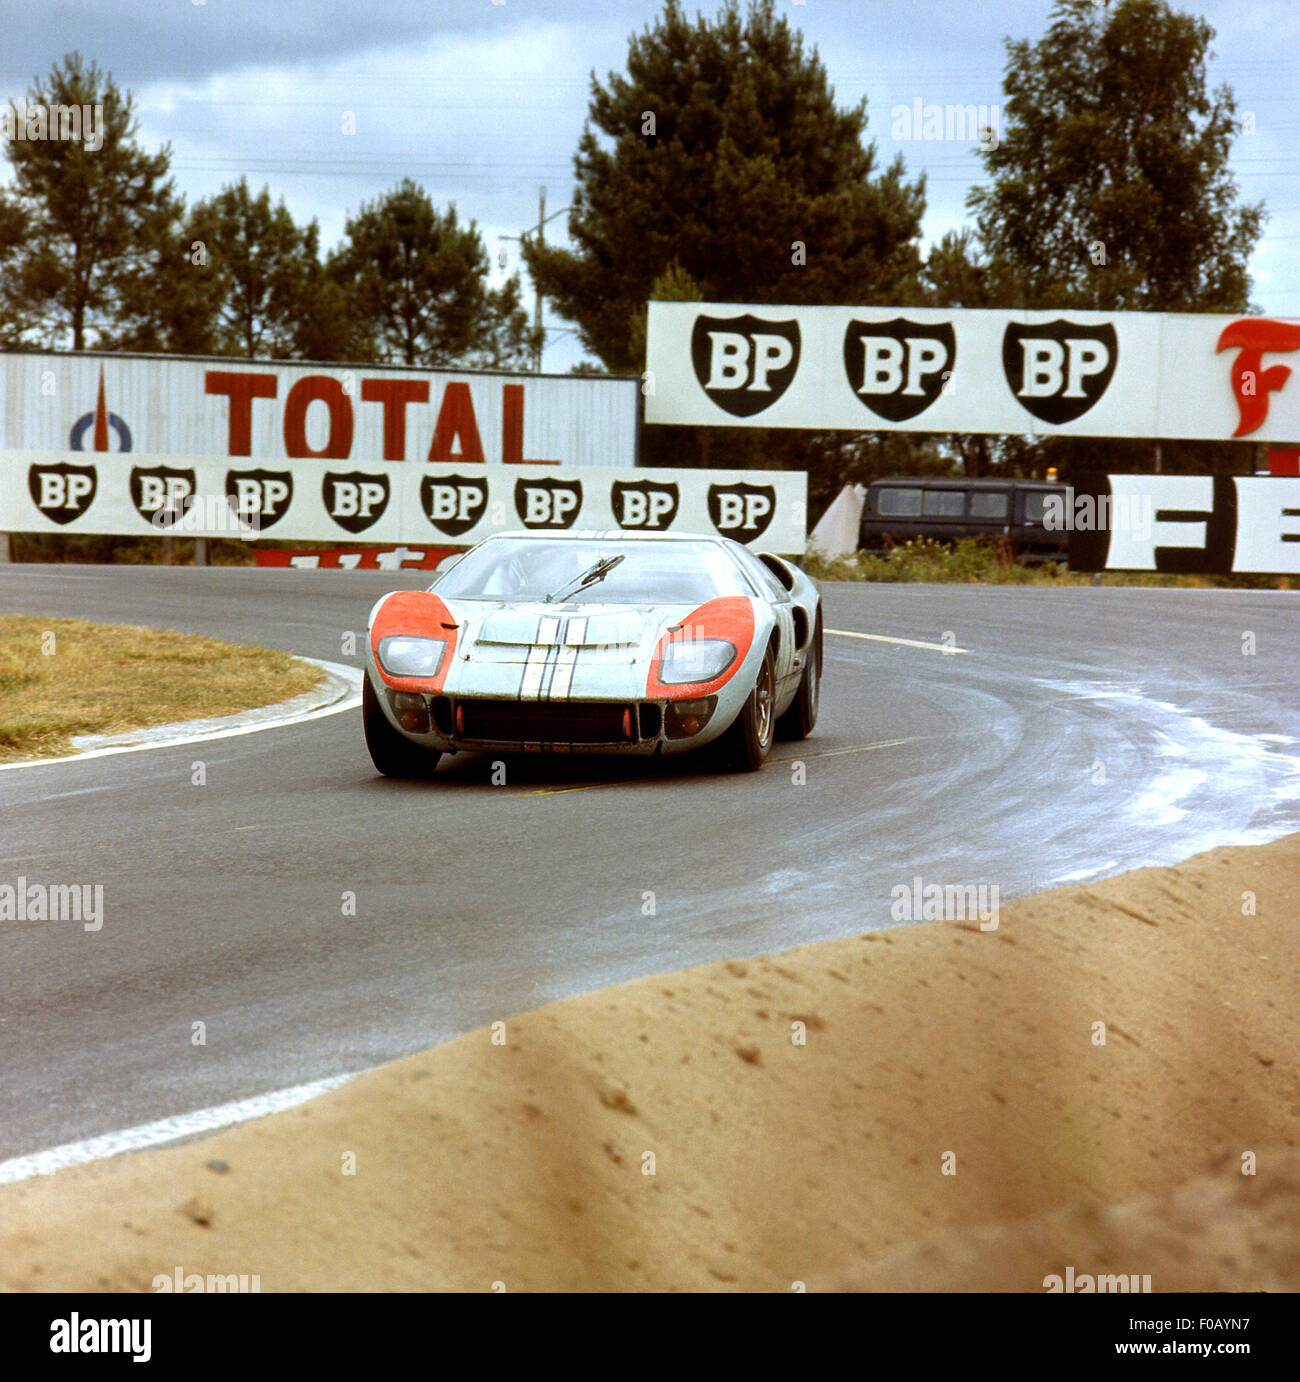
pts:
[903, 508]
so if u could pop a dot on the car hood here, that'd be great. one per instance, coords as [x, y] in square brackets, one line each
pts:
[508, 633]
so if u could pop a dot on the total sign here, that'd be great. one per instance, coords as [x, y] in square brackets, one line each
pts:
[176, 406]
[1121, 374]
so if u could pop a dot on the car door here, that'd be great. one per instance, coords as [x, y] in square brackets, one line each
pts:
[789, 663]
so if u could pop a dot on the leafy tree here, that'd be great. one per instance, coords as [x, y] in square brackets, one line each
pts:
[94, 217]
[258, 264]
[722, 150]
[1111, 187]
[11, 241]
[673, 285]
[170, 308]
[329, 326]
[1111, 191]
[416, 280]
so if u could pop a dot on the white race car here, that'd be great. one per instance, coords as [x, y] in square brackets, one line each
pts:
[594, 642]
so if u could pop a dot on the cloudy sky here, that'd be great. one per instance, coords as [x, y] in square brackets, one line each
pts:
[483, 102]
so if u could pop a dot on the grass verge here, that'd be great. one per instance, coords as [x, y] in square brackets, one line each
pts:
[60, 678]
[973, 561]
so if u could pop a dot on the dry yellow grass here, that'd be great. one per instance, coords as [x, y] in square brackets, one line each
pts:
[60, 678]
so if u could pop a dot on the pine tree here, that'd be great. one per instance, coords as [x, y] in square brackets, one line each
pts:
[722, 150]
[416, 280]
[94, 214]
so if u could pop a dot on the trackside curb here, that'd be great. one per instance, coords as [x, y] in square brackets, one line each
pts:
[340, 691]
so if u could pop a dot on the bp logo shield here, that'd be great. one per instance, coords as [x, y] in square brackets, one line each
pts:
[161, 494]
[742, 511]
[62, 492]
[1058, 370]
[259, 498]
[744, 364]
[453, 503]
[899, 367]
[644, 504]
[548, 503]
[355, 499]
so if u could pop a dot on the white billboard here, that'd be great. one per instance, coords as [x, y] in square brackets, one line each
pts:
[313, 501]
[1100, 374]
[182, 406]
[1198, 525]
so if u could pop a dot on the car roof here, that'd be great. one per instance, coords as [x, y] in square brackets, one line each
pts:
[957, 482]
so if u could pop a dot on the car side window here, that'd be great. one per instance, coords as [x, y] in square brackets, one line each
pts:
[1036, 502]
[988, 504]
[896, 501]
[944, 503]
[760, 577]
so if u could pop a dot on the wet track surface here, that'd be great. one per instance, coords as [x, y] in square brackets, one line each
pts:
[1081, 732]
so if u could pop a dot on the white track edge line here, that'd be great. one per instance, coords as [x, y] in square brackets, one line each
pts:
[906, 642]
[165, 1130]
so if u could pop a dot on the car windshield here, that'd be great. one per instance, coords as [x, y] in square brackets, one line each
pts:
[530, 569]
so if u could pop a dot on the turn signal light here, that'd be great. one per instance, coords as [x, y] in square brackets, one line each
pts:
[412, 711]
[684, 718]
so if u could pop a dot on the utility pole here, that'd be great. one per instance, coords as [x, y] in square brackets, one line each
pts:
[540, 231]
[537, 306]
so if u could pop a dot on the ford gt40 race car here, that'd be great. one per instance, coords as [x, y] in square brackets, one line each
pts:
[594, 643]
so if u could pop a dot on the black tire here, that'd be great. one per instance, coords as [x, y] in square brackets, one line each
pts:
[745, 746]
[392, 753]
[799, 719]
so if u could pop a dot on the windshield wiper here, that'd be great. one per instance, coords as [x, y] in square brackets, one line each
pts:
[590, 576]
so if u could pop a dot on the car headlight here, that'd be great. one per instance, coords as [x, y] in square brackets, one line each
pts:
[402, 655]
[695, 659]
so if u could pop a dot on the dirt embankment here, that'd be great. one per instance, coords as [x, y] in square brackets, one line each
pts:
[930, 1107]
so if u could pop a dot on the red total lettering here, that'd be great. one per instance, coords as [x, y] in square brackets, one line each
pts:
[330, 392]
[456, 420]
[394, 394]
[241, 388]
[512, 427]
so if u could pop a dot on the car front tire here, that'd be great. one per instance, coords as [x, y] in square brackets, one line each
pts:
[392, 753]
[746, 744]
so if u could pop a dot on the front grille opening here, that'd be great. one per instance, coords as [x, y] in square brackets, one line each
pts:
[652, 720]
[440, 710]
[537, 722]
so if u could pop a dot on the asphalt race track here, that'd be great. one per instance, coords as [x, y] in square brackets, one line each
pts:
[1081, 732]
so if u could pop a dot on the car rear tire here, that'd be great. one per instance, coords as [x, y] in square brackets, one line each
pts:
[392, 753]
[745, 745]
[798, 721]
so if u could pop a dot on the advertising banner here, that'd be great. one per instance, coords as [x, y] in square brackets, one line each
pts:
[1198, 525]
[311, 501]
[183, 406]
[1098, 374]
